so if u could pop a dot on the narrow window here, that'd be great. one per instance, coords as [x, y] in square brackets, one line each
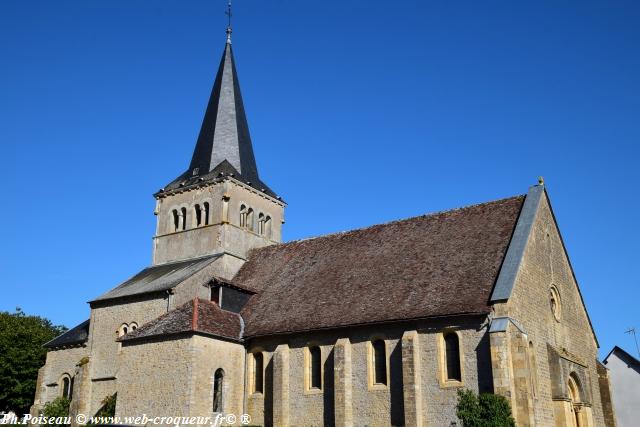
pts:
[184, 218]
[66, 387]
[250, 219]
[198, 212]
[379, 362]
[225, 208]
[258, 373]
[176, 220]
[243, 216]
[261, 224]
[215, 294]
[315, 368]
[218, 379]
[533, 374]
[206, 213]
[267, 227]
[452, 351]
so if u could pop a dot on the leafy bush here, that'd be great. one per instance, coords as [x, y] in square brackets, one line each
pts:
[486, 410]
[58, 408]
[108, 408]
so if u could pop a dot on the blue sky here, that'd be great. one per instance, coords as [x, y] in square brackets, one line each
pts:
[360, 112]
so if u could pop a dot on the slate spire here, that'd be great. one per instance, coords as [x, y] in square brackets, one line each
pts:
[224, 134]
[223, 148]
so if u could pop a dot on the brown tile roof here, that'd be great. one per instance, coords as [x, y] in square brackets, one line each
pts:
[197, 315]
[434, 265]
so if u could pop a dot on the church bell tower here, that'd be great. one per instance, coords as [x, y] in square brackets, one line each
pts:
[219, 205]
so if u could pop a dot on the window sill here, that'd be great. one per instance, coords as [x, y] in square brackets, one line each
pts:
[313, 391]
[378, 387]
[451, 384]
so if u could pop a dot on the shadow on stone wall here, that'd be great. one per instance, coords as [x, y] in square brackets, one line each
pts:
[329, 404]
[396, 389]
[483, 365]
[268, 394]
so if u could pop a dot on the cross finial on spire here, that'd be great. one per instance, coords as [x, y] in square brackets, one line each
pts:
[229, 14]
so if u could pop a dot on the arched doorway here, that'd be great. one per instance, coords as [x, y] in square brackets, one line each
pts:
[575, 397]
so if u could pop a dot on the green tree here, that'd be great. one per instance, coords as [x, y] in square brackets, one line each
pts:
[485, 410]
[21, 355]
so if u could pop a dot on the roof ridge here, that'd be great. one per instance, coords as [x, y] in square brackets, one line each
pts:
[427, 215]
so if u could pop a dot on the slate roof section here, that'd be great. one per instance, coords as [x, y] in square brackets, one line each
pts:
[435, 265]
[198, 316]
[158, 278]
[74, 336]
[515, 253]
[224, 144]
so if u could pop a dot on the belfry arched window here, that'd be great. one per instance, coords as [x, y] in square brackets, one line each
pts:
[206, 213]
[176, 220]
[250, 219]
[267, 226]
[198, 211]
[243, 216]
[452, 356]
[261, 224]
[183, 211]
[218, 383]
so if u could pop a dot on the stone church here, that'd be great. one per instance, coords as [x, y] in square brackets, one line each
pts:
[372, 327]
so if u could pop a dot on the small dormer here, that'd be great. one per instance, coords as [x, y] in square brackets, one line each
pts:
[229, 296]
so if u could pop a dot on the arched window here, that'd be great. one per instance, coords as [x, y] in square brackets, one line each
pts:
[250, 219]
[218, 379]
[258, 372]
[206, 213]
[315, 368]
[66, 386]
[176, 220]
[267, 226]
[184, 218]
[124, 328]
[452, 355]
[533, 374]
[261, 224]
[133, 326]
[379, 362]
[555, 303]
[198, 212]
[243, 216]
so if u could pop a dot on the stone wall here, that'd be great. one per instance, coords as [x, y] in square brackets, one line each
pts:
[545, 264]
[348, 397]
[208, 355]
[58, 363]
[104, 349]
[223, 232]
[154, 378]
[174, 377]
